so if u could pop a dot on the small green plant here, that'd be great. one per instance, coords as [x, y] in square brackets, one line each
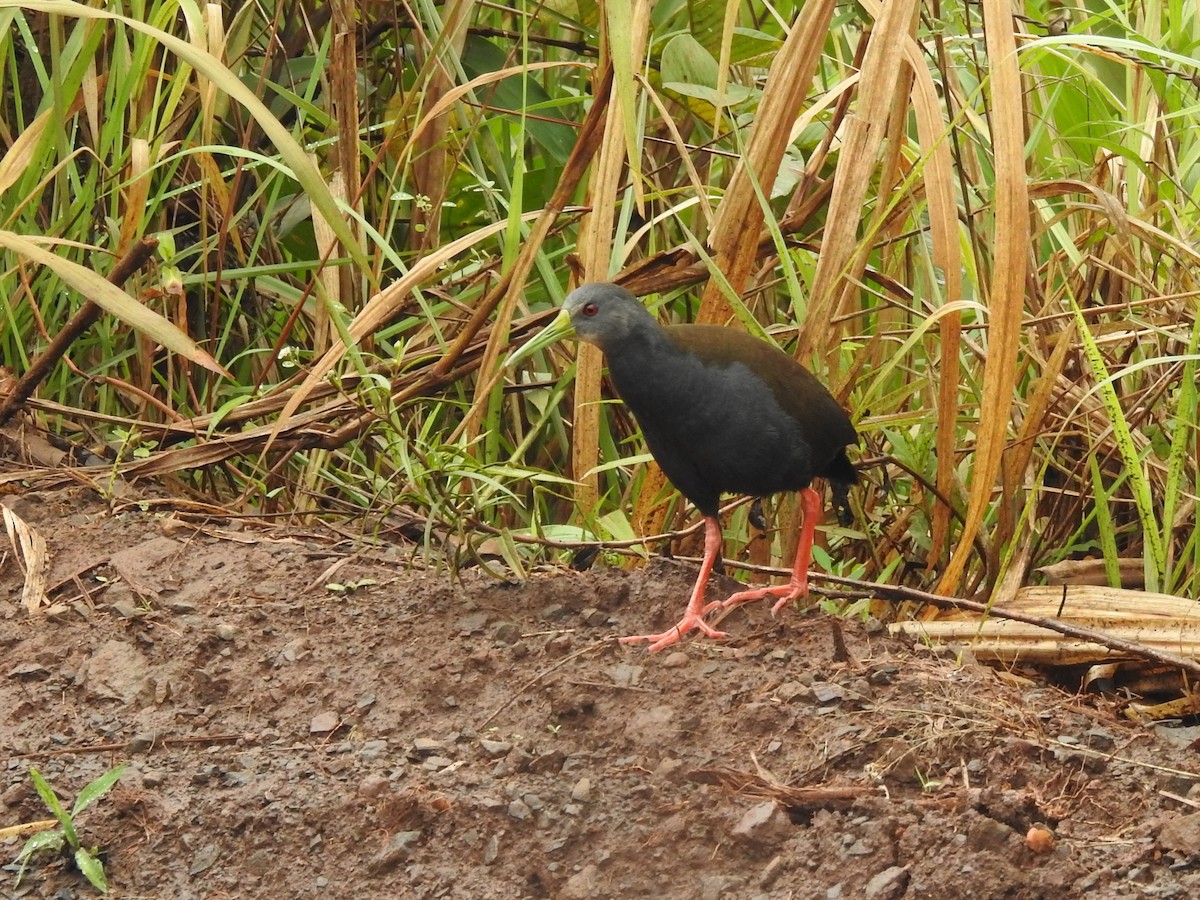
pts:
[86, 859]
[349, 587]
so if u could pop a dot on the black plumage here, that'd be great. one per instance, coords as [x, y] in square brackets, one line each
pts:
[722, 412]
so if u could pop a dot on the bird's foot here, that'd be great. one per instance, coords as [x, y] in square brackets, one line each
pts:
[672, 635]
[785, 592]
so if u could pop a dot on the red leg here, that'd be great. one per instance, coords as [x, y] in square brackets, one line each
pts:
[810, 504]
[693, 618]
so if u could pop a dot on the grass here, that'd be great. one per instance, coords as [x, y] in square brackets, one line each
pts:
[981, 234]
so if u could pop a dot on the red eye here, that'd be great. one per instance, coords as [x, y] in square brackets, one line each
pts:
[590, 309]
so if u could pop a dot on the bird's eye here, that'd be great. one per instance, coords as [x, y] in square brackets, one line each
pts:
[590, 309]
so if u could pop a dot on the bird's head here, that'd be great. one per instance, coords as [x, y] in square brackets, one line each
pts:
[601, 314]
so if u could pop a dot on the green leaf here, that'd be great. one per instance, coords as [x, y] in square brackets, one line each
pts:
[43, 840]
[97, 789]
[1139, 483]
[92, 869]
[685, 61]
[55, 806]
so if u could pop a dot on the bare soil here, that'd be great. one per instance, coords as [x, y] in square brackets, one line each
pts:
[414, 735]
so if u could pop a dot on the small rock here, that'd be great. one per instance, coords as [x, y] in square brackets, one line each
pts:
[260, 862]
[626, 675]
[553, 612]
[668, 767]
[594, 617]
[491, 849]
[559, 645]
[428, 746]
[127, 609]
[793, 690]
[714, 887]
[142, 742]
[883, 674]
[520, 811]
[506, 633]
[117, 670]
[225, 632]
[548, 763]
[1180, 833]
[859, 848]
[323, 723]
[398, 850]
[436, 763]
[496, 749]
[764, 823]
[828, 692]
[771, 871]
[534, 802]
[469, 624]
[372, 750]
[988, 834]
[582, 792]
[887, 885]
[675, 660]
[583, 885]
[373, 786]
[204, 859]
[1099, 739]
[152, 778]
[1140, 875]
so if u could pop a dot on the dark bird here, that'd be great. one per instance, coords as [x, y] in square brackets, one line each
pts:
[723, 413]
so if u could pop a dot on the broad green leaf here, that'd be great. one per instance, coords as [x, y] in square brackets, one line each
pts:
[92, 869]
[96, 789]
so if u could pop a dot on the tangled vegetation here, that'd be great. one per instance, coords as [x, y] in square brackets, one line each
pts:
[979, 227]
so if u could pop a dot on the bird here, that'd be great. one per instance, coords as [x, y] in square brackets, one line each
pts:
[722, 412]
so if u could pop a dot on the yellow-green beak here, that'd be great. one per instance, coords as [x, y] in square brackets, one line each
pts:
[560, 328]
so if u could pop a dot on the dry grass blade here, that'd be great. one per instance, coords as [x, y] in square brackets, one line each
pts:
[431, 163]
[30, 549]
[595, 247]
[737, 230]
[932, 132]
[1156, 621]
[747, 784]
[1007, 290]
[864, 130]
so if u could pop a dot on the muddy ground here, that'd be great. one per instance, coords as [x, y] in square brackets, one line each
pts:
[410, 735]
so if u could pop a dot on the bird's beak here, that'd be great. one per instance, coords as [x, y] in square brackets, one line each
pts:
[560, 328]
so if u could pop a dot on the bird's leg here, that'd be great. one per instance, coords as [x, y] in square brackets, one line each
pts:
[693, 618]
[810, 504]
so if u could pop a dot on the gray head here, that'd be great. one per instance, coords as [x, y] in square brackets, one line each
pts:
[604, 314]
[601, 314]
